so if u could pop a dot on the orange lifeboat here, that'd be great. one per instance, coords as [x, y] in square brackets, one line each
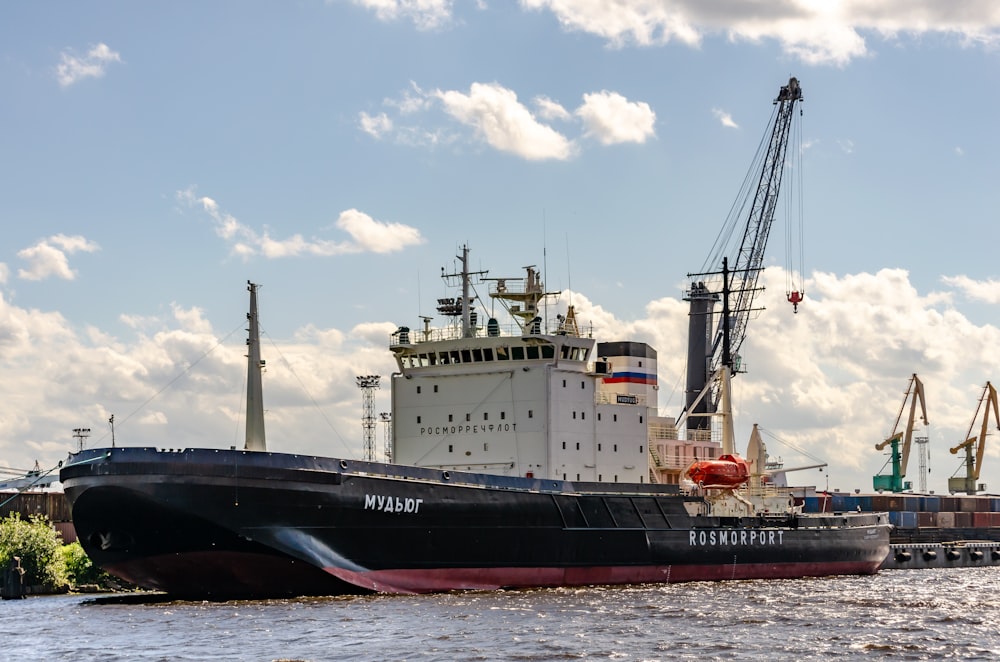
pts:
[727, 471]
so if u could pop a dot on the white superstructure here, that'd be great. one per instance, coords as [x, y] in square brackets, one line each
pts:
[526, 400]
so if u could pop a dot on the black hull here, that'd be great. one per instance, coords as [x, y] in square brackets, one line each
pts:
[220, 524]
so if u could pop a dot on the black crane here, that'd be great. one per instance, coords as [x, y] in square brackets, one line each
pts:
[740, 274]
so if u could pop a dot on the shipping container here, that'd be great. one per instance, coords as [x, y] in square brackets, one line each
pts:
[925, 519]
[946, 520]
[930, 504]
[982, 520]
[963, 520]
[903, 519]
[966, 504]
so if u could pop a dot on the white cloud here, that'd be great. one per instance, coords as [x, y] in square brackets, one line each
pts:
[551, 110]
[72, 68]
[374, 236]
[49, 257]
[367, 234]
[504, 123]
[425, 14]
[613, 119]
[375, 125]
[986, 291]
[814, 32]
[725, 118]
[499, 119]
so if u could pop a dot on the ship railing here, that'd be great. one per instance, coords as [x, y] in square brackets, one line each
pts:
[673, 463]
[659, 431]
[764, 490]
[703, 435]
[406, 336]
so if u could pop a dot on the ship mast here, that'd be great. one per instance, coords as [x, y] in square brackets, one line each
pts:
[463, 307]
[255, 396]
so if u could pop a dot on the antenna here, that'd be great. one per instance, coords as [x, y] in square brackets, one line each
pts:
[368, 384]
[81, 434]
[922, 451]
[569, 272]
[111, 422]
[386, 418]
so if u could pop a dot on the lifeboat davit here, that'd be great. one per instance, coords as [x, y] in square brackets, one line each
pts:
[727, 471]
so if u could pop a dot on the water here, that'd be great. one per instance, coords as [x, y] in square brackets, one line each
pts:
[903, 614]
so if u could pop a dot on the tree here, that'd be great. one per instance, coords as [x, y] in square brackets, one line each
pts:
[38, 546]
[81, 570]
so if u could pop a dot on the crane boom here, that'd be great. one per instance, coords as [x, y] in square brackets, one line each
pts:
[739, 273]
[974, 464]
[900, 457]
[750, 258]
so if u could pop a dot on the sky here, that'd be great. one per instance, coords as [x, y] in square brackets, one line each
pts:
[154, 157]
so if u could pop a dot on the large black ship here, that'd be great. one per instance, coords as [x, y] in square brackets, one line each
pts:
[224, 523]
[524, 453]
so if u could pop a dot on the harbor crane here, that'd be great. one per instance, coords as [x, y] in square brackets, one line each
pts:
[973, 463]
[710, 367]
[900, 440]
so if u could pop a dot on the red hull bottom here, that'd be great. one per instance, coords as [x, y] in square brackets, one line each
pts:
[449, 579]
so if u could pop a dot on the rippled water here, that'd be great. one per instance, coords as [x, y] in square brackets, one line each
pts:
[903, 614]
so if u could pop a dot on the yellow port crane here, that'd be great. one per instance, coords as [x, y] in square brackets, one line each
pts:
[900, 456]
[974, 463]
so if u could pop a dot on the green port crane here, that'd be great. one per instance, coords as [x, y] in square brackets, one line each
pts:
[900, 441]
[974, 463]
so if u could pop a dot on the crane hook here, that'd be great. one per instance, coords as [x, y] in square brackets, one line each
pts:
[795, 298]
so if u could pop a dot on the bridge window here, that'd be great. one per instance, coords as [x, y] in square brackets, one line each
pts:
[517, 353]
[532, 352]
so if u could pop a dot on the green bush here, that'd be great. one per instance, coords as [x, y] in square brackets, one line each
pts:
[80, 569]
[38, 545]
